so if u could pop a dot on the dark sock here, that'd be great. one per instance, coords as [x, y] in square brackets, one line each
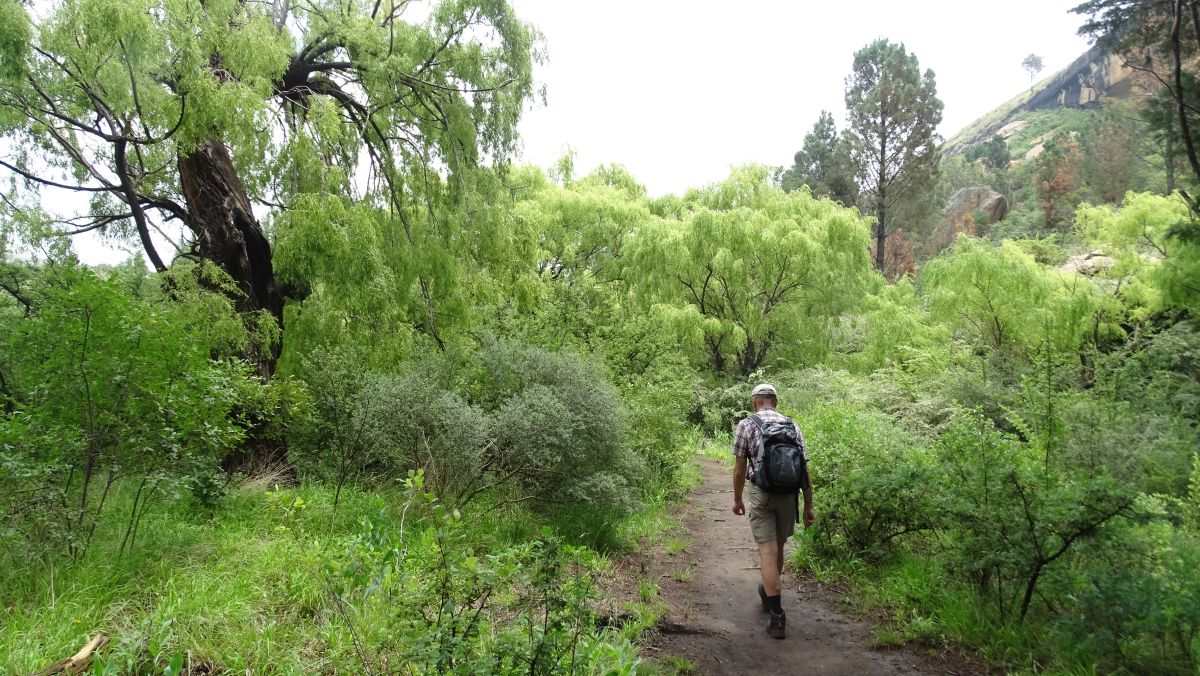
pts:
[774, 603]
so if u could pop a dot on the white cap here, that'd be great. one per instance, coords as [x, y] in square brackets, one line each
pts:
[763, 389]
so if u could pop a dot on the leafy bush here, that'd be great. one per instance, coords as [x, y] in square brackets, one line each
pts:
[1134, 599]
[1009, 513]
[378, 426]
[873, 479]
[108, 378]
[558, 427]
[545, 427]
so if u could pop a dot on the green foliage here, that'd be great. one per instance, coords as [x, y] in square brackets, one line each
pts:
[756, 275]
[1113, 154]
[558, 427]
[823, 164]
[1042, 124]
[275, 569]
[1156, 267]
[997, 487]
[123, 96]
[1003, 300]
[875, 480]
[423, 595]
[994, 153]
[1033, 64]
[1053, 526]
[1056, 177]
[112, 376]
[1166, 36]
[893, 329]
[512, 424]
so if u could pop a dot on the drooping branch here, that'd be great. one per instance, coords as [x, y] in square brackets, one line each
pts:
[15, 291]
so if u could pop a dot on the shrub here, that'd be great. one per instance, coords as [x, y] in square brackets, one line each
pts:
[1009, 516]
[544, 427]
[109, 380]
[374, 425]
[872, 477]
[558, 427]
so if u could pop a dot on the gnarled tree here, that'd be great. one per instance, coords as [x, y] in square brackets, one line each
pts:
[196, 118]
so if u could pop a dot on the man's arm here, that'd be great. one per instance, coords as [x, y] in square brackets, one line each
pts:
[739, 482]
[810, 515]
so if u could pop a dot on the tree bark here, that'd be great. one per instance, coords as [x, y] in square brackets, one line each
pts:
[881, 205]
[222, 219]
[227, 234]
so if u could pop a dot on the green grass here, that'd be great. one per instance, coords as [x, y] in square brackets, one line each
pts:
[674, 664]
[717, 449]
[234, 587]
[230, 589]
[1043, 122]
[676, 546]
[928, 610]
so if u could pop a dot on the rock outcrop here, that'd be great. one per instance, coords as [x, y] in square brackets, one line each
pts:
[1012, 129]
[962, 215]
[1091, 263]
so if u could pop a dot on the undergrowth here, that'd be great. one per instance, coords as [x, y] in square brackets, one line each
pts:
[276, 579]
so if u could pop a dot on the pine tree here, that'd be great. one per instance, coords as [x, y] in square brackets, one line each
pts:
[893, 112]
[823, 164]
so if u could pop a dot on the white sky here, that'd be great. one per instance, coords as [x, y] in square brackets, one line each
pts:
[679, 91]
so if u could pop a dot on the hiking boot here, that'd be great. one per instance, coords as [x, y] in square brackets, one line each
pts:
[776, 624]
[762, 595]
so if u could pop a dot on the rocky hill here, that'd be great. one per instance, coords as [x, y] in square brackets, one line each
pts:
[1086, 83]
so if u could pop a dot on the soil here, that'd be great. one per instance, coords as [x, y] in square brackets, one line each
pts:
[715, 620]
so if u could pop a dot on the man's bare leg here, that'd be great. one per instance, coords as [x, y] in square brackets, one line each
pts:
[770, 552]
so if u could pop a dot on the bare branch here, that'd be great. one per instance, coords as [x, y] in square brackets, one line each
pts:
[54, 184]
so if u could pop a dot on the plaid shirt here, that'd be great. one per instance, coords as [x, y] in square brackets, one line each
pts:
[745, 440]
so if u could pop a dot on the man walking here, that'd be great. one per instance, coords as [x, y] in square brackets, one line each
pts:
[770, 451]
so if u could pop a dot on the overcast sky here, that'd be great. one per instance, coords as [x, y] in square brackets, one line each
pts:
[679, 91]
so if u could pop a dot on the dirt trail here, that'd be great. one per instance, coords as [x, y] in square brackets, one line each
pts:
[715, 620]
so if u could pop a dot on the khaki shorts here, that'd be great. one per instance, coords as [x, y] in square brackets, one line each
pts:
[772, 517]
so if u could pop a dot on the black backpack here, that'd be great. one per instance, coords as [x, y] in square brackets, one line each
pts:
[780, 467]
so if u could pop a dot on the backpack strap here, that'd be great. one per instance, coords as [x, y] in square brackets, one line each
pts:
[758, 421]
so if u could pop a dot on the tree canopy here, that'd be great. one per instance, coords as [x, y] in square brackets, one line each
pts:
[750, 274]
[334, 119]
[823, 164]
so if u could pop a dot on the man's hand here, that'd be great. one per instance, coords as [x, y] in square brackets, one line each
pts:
[810, 517]
[738, 508]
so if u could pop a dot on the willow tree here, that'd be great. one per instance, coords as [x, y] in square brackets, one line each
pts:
[196, 118]
[749, 273]
[1003, 301]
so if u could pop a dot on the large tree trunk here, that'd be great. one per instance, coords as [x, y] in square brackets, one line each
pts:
[227, 234]
[222, 220]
